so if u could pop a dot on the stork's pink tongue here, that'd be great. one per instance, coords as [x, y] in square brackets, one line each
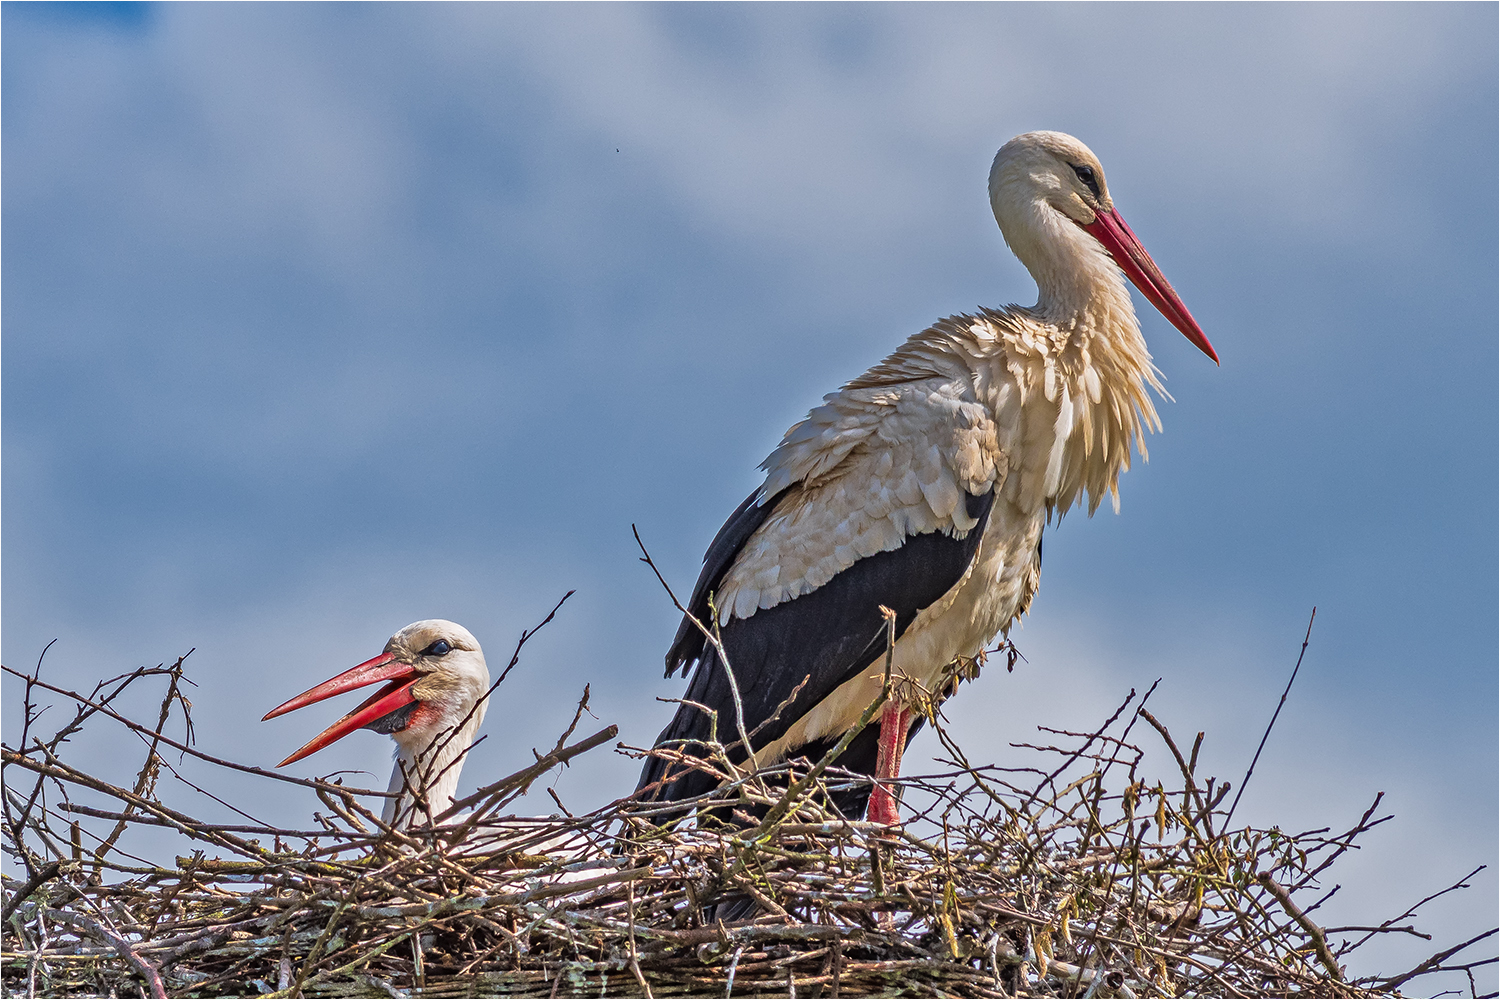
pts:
[1110, 230]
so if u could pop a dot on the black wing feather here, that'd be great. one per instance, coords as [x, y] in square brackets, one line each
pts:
[687, 645]
[826, 636]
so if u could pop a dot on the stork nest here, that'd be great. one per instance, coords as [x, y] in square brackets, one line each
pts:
[1076, 876]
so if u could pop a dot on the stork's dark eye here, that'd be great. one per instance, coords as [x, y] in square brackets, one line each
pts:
[439, 648]
[1086, 174]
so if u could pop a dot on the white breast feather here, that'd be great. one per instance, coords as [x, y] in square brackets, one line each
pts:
[1061, 429]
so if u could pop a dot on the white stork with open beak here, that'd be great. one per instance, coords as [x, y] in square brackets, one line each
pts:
[434, 698]
[923, 485]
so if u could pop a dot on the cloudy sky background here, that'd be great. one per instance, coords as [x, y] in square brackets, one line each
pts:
[319, 320]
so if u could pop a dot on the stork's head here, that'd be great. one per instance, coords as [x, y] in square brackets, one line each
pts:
[434, 676]
[1049, 195]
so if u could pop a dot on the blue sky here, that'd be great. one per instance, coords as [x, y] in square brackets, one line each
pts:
[321, 319]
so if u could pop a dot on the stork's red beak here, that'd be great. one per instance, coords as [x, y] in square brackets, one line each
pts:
[396, 694]
[1109, 229]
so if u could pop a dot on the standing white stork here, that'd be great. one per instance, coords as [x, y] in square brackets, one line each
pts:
[432, 704]
[923, 485]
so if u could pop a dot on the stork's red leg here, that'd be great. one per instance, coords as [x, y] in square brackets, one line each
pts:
[894, 722]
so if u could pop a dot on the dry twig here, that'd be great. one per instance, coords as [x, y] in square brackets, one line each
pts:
[1079, 876]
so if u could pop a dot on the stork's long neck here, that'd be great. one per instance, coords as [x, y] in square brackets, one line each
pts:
[1080, 290]
[425, 777]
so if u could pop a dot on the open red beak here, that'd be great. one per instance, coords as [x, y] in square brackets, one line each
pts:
[396, 694]
[1109, 229]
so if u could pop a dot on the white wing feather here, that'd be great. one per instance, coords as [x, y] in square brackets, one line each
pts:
[869, 467]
